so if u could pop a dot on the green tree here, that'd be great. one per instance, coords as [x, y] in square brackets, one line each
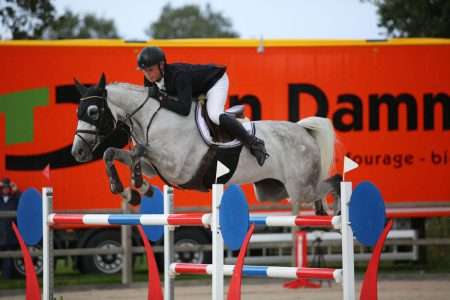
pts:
[37, 19]
[190, 21]
[418, 18]
[25, 19]
[71, 25]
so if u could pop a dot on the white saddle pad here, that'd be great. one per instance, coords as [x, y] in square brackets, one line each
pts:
[205, 134]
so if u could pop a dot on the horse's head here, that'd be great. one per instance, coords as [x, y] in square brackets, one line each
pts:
[95, 120]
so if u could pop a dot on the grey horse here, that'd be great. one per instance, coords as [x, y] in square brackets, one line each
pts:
[301, 154]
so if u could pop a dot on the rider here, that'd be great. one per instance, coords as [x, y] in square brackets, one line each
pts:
[187, 81]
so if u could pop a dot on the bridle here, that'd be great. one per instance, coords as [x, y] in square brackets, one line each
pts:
[105, 123]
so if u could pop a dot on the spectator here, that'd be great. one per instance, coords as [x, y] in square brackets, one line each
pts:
[9, 198]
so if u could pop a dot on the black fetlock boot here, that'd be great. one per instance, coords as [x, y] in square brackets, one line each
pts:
[258, 149]
[235, 128]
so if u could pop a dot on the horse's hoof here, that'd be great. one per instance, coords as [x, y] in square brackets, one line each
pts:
[321, 212]
[135, 198]
[137, 182]
[116, 188]
[319, 209]
[149, 192]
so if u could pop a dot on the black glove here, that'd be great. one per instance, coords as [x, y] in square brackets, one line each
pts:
[155, 92]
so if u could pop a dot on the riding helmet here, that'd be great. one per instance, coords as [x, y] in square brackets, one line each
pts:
[150, 56]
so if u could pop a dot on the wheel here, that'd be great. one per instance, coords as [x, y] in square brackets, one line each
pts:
[18, 266]
[102, 263]
[189, 237]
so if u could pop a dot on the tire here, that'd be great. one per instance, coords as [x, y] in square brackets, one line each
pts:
[192, 237]
[18, 266]
[102, 263]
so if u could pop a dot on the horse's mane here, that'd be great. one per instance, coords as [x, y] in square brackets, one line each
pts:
[127, 86]
[122, 94]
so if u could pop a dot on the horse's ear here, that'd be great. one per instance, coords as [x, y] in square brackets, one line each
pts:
[102, 82]
[80, 87]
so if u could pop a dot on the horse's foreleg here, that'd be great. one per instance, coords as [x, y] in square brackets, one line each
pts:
[116, 186]
[109, 156]
[136, 171]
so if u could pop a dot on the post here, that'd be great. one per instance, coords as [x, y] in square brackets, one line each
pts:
[47, 244]
[127, 262]
[294, 229]
[217, 244]
[348, 278]
[168, 245]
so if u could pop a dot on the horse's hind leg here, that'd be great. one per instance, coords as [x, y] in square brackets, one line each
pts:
[319, 208]
[330, 185]
[301, 191]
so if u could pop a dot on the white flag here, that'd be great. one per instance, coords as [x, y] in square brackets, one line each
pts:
[349, 164]
[221, 170]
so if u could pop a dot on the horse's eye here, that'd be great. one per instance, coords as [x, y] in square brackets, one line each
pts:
[93, 112]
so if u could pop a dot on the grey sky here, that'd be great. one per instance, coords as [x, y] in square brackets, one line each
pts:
[295, 19]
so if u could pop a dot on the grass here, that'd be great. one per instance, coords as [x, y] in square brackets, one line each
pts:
[437, 256]
[65, 275]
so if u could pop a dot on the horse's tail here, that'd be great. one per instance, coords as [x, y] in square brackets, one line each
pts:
[323, 132]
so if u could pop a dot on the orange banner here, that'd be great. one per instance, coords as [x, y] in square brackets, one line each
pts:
[389, 102]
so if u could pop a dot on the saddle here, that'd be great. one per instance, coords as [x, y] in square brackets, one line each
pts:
[212, 134]
[221, 147]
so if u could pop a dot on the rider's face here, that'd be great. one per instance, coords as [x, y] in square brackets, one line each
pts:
[153, 73]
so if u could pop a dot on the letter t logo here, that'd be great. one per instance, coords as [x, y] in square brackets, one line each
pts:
[18, 109]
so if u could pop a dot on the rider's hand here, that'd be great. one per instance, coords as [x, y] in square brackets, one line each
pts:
[154, 92]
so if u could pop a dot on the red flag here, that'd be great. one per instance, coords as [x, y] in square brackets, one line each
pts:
[234, 289]
[369, 287]
[46, 171]
[154, 284]
[32, 285]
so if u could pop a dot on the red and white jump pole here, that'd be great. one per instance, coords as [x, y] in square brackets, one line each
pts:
[217, 269]
[301, 260]
[344, 275]
[229, 220]
[169, 220]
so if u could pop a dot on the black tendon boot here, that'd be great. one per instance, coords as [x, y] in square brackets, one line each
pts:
[235, 128]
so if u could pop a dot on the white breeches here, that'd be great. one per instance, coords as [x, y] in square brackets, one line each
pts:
[217, 96]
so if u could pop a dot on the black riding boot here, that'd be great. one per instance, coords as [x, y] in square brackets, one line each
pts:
[235, 128]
